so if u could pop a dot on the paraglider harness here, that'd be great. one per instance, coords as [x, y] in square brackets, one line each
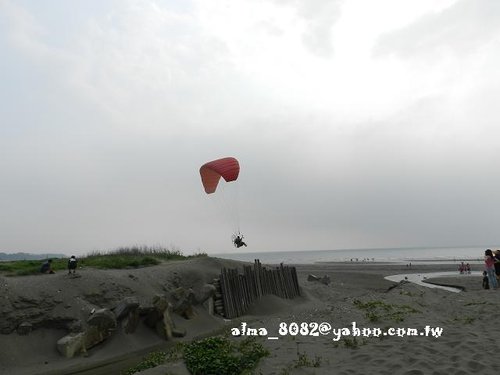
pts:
[238, 240]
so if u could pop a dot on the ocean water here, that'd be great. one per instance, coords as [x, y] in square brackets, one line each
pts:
[399, 255]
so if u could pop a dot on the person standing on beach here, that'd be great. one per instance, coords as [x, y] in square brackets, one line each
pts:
[497, 264]
[461, 268]
[72, 263]
[489, 264]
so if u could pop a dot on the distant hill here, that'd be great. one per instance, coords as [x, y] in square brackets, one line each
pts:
[28, 256]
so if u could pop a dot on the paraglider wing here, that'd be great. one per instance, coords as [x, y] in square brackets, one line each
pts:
[211, 172]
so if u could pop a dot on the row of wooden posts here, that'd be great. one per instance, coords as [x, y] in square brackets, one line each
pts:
[237, 292]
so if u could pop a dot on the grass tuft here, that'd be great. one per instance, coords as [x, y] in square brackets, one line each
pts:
[379, 310]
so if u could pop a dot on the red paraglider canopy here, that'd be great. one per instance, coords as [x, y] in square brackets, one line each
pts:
[211, 172]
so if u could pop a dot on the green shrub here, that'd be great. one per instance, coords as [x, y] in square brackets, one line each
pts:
[218, 355]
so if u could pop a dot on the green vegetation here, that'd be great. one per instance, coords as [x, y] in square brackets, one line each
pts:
[350, 343]
[29, 267]
[305, 361]
[213, 355]
[302, 361]
[126, 257]
[219, 355]
[157, 358]
[151, 360]
[463, 319]
[379, 310]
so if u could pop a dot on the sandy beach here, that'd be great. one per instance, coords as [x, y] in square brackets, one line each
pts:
[461, 335]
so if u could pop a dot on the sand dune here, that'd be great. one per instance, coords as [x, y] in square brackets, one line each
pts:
[358, 294]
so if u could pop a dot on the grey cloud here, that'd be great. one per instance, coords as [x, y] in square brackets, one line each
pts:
[319, 18]
[460, 28]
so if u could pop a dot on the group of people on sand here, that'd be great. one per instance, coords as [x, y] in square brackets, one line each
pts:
[491, 274]
[47, 266]
[464, 268]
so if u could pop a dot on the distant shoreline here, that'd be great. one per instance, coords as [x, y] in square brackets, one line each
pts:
[396, 262]
[389, 256]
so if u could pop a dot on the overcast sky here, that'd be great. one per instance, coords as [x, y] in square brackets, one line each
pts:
[357, 123]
